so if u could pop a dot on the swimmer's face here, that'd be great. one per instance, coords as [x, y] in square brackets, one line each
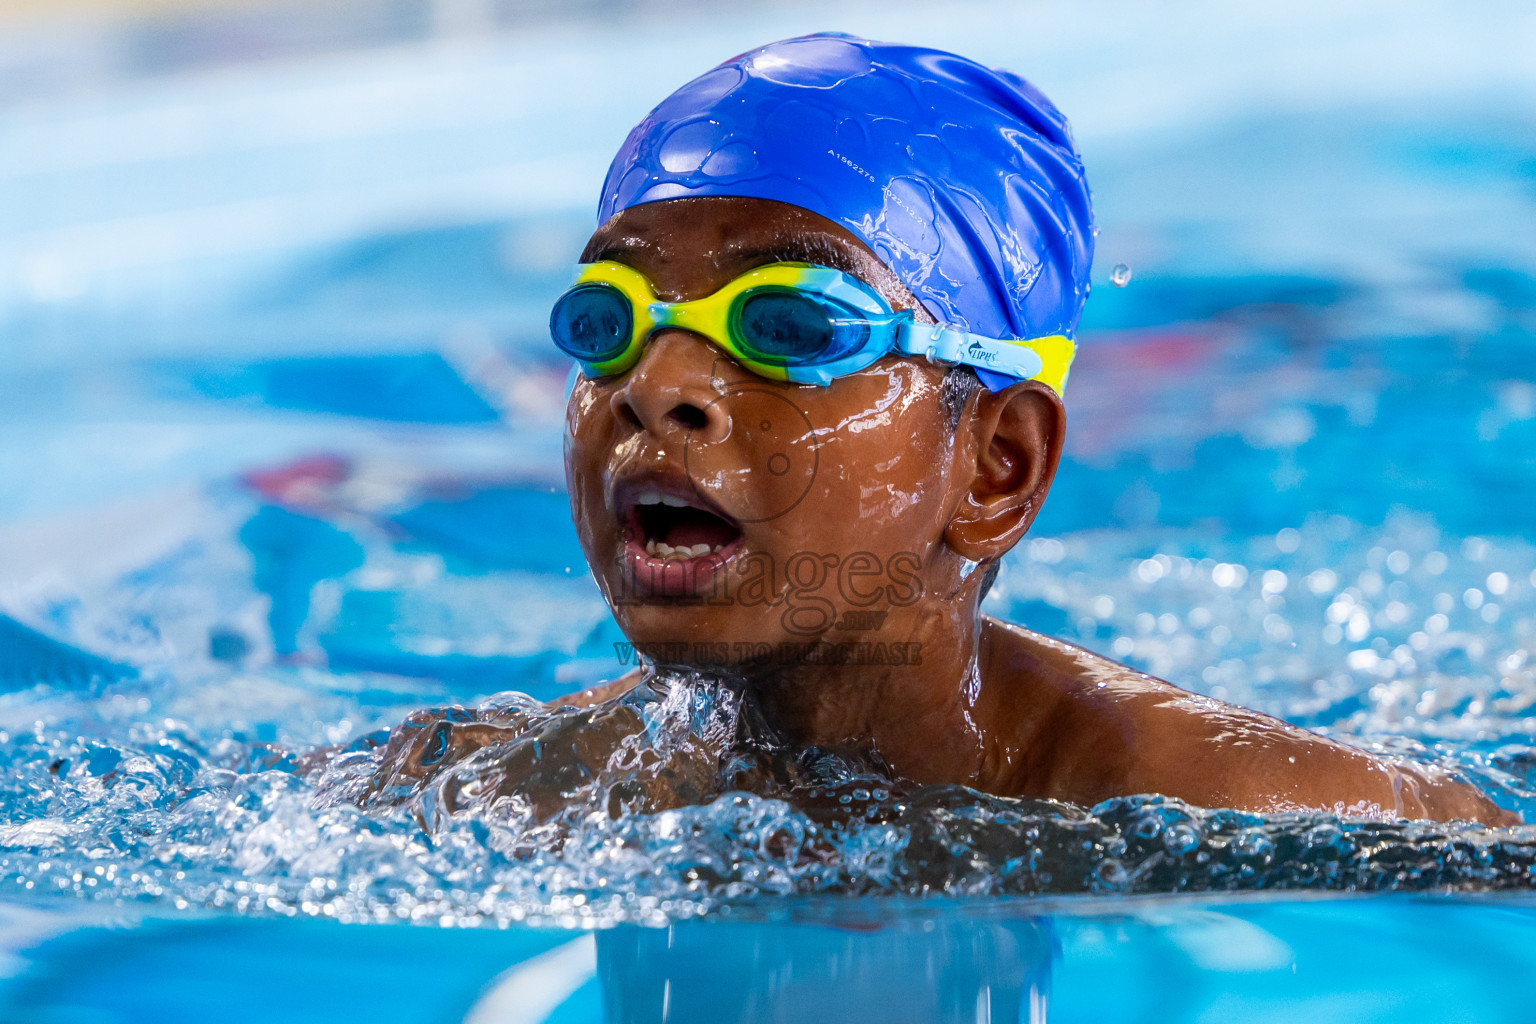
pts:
[724, 514]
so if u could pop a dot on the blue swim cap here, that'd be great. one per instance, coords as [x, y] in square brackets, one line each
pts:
[963, 179]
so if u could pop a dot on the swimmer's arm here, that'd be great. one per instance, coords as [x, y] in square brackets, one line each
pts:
[1234, 757]
[431, 740]
[1440, 797]
[434, 739]
[1219, 755]
[601, 693]
[1099, 729]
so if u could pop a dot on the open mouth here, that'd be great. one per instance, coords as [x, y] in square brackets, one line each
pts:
[672, 528]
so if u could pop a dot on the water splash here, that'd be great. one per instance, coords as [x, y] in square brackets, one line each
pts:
[667, 803]
[189, 784]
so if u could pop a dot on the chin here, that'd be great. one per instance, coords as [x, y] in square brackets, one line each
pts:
[696, 637]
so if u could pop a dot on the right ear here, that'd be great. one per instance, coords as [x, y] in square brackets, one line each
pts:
[1017, 436]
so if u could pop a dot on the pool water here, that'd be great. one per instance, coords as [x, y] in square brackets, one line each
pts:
[277, 495]
[1131, 960]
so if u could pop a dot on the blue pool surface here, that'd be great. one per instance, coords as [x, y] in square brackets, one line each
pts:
[1392, 959]
[280, 436]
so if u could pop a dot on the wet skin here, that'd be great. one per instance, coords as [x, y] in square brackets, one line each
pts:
[861, 497]
[874, 467]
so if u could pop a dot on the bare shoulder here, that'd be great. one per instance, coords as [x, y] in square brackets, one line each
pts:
[600, 694]
[1104, 729]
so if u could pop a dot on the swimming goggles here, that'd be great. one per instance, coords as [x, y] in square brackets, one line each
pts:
[783, 321]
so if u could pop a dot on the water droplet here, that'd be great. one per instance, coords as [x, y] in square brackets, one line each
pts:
[1120, 276]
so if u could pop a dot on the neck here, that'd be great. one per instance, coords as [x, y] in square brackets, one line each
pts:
[930, 717]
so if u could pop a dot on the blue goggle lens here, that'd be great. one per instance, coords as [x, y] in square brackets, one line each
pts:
[791, 328]
[592, 322]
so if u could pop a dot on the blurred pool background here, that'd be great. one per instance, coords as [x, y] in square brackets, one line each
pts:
[280, 451]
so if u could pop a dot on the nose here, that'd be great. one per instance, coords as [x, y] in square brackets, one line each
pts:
[671, 390]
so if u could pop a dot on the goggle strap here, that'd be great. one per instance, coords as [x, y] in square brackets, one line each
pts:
[1022, 359]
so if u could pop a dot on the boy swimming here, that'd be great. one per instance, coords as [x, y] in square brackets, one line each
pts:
[823, 332]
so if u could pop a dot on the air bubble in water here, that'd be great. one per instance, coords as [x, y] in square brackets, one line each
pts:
[1120, 276]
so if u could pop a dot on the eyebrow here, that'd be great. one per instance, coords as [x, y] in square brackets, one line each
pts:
[619, 252]
[798, 250]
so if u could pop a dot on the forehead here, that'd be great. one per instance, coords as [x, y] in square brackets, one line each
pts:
[692, 247]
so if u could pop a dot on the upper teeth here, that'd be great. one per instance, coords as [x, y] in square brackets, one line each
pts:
[655, 497]
[661, 549]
